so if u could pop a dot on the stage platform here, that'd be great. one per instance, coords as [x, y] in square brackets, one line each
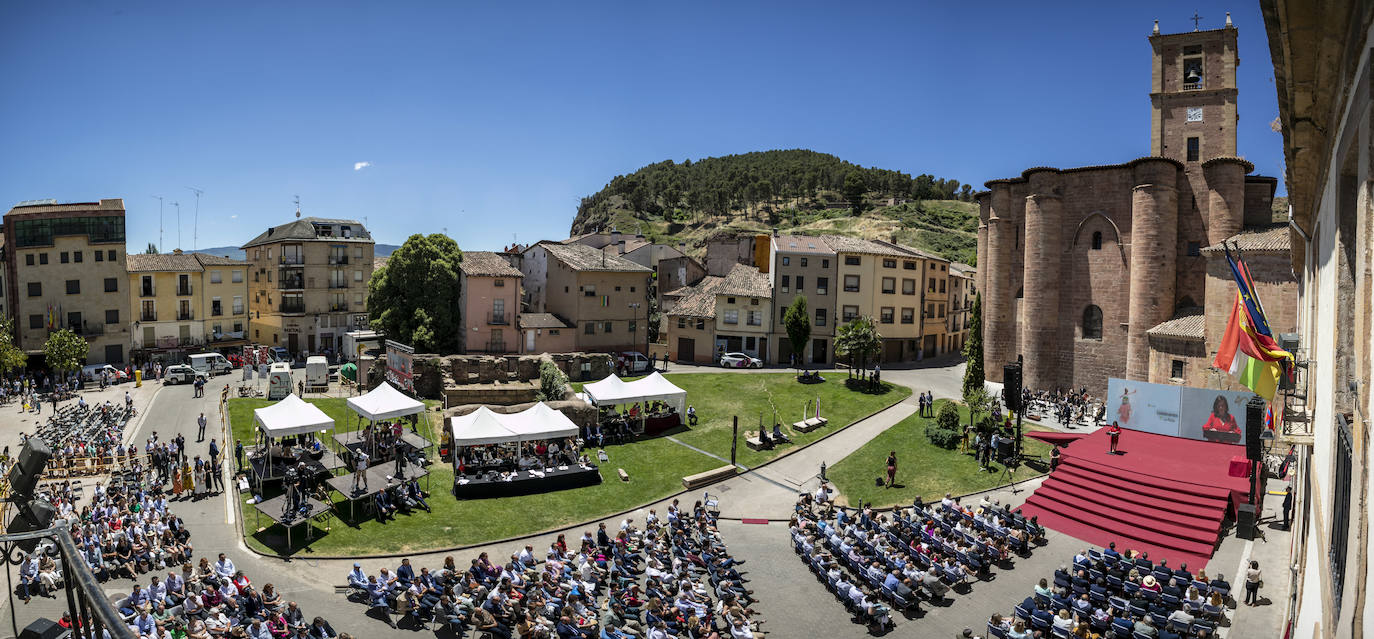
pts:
[525, 483]
[273, 509]
[378, 479]
[354, 439]
[1164, 495]
[276, 470]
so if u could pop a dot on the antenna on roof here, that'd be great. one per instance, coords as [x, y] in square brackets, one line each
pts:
[159, 221]
[178, 205]
[298, 206]
[195, 226]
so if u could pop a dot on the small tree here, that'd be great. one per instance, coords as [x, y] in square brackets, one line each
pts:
[854, 190]
[798, 324]
[944, 431]
[11, 356]
[64, 351]
[151, 250]
[553, 383]
[973, 349]
[859, 339]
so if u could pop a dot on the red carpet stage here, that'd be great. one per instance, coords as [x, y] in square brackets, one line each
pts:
[1166, 495]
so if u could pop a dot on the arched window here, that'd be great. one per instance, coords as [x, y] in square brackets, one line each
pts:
[1092, 322]
[1097, 240]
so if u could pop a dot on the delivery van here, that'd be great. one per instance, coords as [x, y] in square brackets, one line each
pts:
[316, 373]
[279, 381]
[209, 364]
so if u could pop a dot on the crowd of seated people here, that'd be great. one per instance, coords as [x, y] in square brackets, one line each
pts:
[214, 601]
[875, 562]
[510, 458]
[128, 530]
[620, 424]
[672, 578]
[1115, 595]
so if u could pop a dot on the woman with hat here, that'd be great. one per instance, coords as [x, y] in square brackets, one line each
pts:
[1149, 583]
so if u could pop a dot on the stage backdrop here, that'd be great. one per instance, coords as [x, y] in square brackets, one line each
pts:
[1178, 411]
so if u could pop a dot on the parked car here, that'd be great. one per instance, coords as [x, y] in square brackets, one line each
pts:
[179, 374]
[740, 360]
[633, 362]
[92, 373]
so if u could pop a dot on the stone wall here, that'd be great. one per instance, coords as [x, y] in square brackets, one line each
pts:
[580, 412]
[436, 375]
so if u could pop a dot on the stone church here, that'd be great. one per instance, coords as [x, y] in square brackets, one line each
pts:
[1117, 270]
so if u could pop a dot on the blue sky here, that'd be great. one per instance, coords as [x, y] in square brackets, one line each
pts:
[493, 119]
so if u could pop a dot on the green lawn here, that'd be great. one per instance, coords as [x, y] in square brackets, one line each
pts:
[922, 468]
[655, 466]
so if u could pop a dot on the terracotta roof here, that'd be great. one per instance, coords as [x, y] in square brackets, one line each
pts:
[487, 264]
[846, 244]
[961, 269]
[379, 262]
[802, 244]
[541, 320]
[746, 281]
[581, 257]
[1190, 326]
[1269, 238]
[304, 229]
[143, 263]
[698, 300]
[207, 259]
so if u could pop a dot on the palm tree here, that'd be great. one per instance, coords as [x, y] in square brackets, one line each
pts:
[859, 339]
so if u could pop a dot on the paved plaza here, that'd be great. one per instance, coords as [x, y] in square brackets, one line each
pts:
[790, 599]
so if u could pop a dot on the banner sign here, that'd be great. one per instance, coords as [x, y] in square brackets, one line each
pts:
[399, 359]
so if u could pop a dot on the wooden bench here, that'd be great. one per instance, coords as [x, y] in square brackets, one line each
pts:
[808, 425]
[623, 475]
[708, 477]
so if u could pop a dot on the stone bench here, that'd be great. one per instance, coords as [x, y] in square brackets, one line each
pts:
[775, 439]
[708, 477]
[623, 475]
[808, 425]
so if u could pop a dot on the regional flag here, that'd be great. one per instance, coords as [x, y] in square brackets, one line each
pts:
[1243, 359]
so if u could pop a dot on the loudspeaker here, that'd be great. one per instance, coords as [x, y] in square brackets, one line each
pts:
[1254, 425]
[43, 628]
[24, 475]
[1011, 387]
[33, 515]
[1246, 520]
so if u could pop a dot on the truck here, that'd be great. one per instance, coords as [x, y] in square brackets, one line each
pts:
[210, 364]
[316, 373]
[279, 381]
[355, 343]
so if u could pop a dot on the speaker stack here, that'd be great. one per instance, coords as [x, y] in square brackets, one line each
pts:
[31, 514]
[1011, 387]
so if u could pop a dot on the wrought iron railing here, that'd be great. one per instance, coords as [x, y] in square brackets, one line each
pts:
[91, 612]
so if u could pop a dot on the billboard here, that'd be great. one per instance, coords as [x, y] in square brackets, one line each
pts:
[1213, 415]
[1178, 411]
[1152, 408]
[399, 359]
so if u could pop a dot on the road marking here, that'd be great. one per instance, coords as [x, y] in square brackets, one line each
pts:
[711, 455]
[229, 504]
[1244, 564]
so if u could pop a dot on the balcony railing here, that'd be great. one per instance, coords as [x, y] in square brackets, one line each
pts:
[496, 346]
[89, 330]
[498, 318]
[84, 600]
[185, 315]
[292, 260]
[216, 310]
[297, 307]
[238, 310]
[338, 283]
[338, 308]
[148, 317]
[147, 291]
[290, 283]
[183, 291]
[338, 259]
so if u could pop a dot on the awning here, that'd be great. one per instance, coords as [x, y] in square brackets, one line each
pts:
[291, 416]
[484, 426]
[1056, 438]
[613, 390]
[385, 402]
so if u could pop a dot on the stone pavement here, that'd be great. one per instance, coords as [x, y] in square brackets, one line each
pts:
[792, 601]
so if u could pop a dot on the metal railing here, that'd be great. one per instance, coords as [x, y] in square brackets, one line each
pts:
[338, 259]
[290, 283]
[498, 318]
[292, 260]
[185, 315]
[338, 283]
[183, 290]
[292, 308]
[90, 610]
[147, 291]
[336, 308]
[148, 317]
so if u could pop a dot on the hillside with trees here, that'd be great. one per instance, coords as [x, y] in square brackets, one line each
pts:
[797, 191]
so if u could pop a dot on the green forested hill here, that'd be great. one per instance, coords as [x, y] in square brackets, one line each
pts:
[795, 190]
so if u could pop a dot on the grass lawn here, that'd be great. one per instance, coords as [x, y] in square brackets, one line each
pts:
[655, 466]
[922, 468]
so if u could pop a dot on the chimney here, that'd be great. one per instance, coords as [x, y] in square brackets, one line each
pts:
[176, 251]
[775, 231]
[615, 235]
[620, 247]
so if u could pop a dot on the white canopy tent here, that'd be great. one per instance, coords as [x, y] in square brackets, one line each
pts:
[613, 390]
[385, 402]
[484, 426]
[291, 416]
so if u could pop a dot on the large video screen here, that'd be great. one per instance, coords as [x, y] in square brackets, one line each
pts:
[1178, 411]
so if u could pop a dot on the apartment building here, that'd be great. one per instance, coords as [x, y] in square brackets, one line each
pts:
[602, 296]
[961, 294]
[309, 283]
[64, 268]
[690, 321]
[800, 265]
[899, 287]
[490, 301]
[744, 306]
[184, 303]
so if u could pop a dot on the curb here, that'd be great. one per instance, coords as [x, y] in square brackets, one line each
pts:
[286, 558]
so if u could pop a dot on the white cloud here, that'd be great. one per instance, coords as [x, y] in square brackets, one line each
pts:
[233, 217]
[358, 166]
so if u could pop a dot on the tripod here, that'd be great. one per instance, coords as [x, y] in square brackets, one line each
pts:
[1009, 472]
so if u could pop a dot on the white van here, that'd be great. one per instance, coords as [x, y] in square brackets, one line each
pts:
[209, 364]
[316, 373]
[279, 381]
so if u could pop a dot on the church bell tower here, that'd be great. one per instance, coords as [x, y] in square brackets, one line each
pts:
[1193, 94]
